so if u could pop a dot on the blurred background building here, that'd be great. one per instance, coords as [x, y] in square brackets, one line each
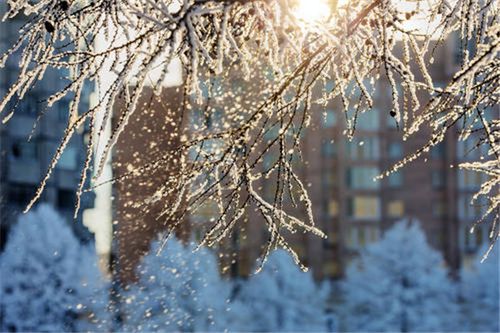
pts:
[23, 162]
[138, 223]
[352, 208]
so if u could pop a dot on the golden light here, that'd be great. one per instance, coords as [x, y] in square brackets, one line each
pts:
[312, 11]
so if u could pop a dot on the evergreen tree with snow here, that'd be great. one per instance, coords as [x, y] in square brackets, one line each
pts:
[281, 298]
[481, 293]
[50, 282]
[179, 290]
[399, 284]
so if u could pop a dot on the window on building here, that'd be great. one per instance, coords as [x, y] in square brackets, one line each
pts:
[272, 133]
[66, 199]
[360, 236]
[333, 208]
[329, 118]
[21, 194]
[364, 207]
[490, 114]
[86, 138]
[395, 209]
[352, 238]
[214, 119]
[363, 148]
[439, 209]
[464, 149]
[436, 238]
[369, 120]
[211, 118]
[204, 87]
[63, 111]
[269, 160]
[333, 237]
[196, 118]
[215, 147]
[194, 152]
[395, 150]
[468, 210]
[329, 86]
[468, 179]
[328, 149]
[395, 179]
[25, 150]
[438, 179]
[373, 234]
[391, 121]
[28, 105]
[473, 239]
[331, 241]
[331, 269]
[329, 179]
[467, 150]
[362, 178]
[68, 160]
[437, 152]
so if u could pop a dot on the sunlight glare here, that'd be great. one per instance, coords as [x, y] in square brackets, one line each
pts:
[311, 11]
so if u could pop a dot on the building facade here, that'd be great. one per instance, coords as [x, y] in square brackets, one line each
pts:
[354, 210]
[348, 205]
[137, 221]
[24, 162]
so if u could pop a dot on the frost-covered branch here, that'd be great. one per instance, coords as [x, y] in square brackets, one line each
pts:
[221, 160]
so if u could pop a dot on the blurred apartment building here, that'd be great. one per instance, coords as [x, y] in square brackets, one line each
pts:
[24, 163]
[136, 219]
[348, 205]
[354, 210]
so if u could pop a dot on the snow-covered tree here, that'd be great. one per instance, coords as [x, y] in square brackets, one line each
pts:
[481, 293]
[399, 284]
[49, 281]
[178, 291]
[280, 298]
[287, 50]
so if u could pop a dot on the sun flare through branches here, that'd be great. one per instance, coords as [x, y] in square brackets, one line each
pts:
[312, 11]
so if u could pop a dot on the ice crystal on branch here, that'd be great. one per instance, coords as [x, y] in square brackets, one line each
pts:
[358, 43]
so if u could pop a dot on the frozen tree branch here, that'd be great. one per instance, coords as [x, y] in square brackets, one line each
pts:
[356, 45]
